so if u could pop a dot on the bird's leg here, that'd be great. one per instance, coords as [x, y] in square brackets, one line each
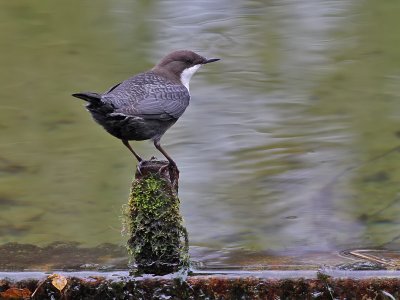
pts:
[171, 165]
[126, 143]
[159, 148]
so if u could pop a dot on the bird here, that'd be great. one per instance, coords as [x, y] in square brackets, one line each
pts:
[145, 106]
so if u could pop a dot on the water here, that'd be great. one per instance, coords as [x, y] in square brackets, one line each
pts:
[290, 143]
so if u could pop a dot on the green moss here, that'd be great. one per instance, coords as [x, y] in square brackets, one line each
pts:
[323, 277]
[157, 239]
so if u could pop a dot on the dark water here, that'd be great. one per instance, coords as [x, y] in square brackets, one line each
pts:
[290, 143]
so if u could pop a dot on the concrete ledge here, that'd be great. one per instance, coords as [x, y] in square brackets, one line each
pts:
[216, 284]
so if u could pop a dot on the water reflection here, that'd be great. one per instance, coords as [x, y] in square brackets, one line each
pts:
[276, 151]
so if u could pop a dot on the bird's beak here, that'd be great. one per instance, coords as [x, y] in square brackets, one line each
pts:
[210, 60]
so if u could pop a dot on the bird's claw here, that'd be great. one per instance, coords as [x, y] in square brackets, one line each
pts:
[138, 167]
[162, 168]
[171, 167]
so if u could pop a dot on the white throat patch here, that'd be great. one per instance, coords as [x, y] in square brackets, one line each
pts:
[187, 74]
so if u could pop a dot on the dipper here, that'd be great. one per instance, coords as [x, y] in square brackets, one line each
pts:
[144, 106]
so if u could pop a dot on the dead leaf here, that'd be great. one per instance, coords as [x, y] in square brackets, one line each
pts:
[58, 281]
[15, 293]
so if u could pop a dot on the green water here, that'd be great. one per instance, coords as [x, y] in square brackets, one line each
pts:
[290, 142]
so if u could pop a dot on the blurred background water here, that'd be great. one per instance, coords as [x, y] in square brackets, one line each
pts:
[291, 142]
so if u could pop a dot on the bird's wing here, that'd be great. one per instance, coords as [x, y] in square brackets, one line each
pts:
[113, 88]
[158, 102]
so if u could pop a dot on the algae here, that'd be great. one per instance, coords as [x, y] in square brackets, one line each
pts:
[158, 242]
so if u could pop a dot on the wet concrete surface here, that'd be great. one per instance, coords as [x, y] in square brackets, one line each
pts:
[322, 284]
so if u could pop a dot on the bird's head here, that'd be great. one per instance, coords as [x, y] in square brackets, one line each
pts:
[183, 64]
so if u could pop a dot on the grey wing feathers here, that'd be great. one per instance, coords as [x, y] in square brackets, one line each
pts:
[151, 101]
[164, 102]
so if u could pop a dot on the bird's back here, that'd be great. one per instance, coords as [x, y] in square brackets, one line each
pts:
[133, 90]
[148, 95]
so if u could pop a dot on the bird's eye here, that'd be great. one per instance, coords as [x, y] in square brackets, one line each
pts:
[188, 61]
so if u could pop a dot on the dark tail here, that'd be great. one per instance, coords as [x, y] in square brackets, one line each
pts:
[93, 98]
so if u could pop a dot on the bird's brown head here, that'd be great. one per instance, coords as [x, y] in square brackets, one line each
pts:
[182, 64]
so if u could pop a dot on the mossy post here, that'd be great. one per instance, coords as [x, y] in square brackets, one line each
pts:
[158, 240]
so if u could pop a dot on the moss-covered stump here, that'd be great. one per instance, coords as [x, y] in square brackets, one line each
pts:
[158, 240]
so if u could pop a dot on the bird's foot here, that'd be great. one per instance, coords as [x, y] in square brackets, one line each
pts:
[139, 167]
[172, 170]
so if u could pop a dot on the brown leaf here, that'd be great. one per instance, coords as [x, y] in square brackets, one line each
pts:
[58, 281]
[15, 293]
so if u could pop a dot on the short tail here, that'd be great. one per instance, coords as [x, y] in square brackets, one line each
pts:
[93, 98]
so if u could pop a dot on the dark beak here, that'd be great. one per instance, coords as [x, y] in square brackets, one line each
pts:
[210, 60]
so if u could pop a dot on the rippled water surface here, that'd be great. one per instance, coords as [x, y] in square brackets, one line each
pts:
[291, 142]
